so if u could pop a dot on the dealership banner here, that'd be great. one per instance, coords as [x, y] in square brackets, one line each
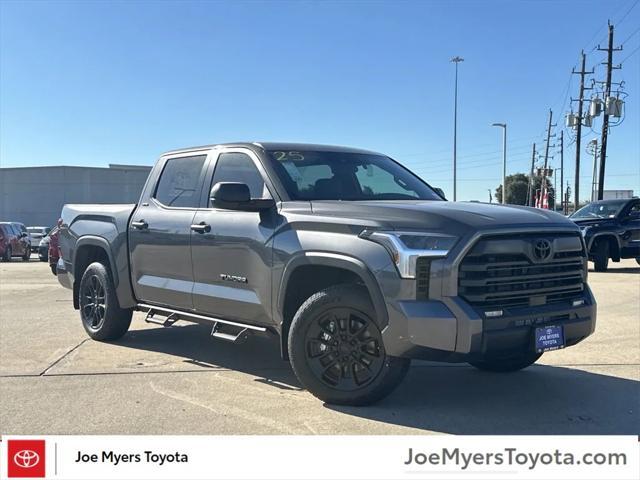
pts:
[319, 457]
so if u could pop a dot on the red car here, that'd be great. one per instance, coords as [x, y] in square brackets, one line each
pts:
[13, 243]
[54, 251]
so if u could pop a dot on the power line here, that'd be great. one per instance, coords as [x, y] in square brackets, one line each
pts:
[630, 36]
[628, 11]
[630, 55]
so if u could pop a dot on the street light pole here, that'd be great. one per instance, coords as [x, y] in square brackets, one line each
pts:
[455, 60]
[504, 160]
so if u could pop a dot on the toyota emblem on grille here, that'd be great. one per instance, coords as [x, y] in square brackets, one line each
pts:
[542, 249]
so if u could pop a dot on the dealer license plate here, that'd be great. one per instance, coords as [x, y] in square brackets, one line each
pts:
[549, 338]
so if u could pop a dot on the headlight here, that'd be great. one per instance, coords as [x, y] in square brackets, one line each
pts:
[406, 247]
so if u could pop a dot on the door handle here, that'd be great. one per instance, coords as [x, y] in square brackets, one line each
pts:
[201, 227]
[140, 225]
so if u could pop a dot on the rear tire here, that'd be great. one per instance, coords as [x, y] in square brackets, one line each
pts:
[336, 348]
[507, 364]
[102, 317]
[601, 256]
[7, 255]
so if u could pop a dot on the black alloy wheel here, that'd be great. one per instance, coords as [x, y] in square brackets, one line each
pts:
[93, 303]
[343, 348]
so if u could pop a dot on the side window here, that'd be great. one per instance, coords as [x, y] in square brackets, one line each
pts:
[179, 184]
[239, 168]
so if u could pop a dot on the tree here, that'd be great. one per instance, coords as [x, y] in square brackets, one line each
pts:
[517, 187]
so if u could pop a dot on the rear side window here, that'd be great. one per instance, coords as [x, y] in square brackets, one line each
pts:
[180, 182]
[239, 168]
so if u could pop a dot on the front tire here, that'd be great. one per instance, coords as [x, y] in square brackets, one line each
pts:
[7, 255]
[27, 255]
[336, 348]
[507, 364]
[102, 317]
[601, 256]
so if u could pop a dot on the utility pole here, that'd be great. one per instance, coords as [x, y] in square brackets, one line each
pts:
[455, 60]
[530, 186]
[582, 73]
[592, 147]
[562, 204]
[543, 187]
[605, 118]
[490, 196]
[504, 160]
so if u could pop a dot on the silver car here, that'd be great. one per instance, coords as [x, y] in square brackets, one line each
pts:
[37, 234]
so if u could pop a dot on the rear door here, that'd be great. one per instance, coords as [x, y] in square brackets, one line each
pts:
[232, 259]
[160, 233]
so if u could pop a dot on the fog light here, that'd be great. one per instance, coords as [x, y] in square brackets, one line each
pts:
[577, 303]
[493, 313]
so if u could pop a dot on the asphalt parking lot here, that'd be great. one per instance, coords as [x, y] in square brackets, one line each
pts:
[54, 380]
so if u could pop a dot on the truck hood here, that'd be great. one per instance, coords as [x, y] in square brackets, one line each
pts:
[590, 222]
[458, 217]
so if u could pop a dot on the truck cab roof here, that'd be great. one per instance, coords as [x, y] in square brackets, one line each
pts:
[275, 146]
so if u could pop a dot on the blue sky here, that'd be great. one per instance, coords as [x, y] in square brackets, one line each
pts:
[92, 83]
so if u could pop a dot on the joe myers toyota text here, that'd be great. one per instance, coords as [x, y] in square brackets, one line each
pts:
[353, 261]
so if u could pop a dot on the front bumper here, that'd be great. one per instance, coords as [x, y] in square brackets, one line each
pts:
[451, 330]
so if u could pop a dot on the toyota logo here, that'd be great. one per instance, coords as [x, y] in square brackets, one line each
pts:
[542, 249]
[26, 458]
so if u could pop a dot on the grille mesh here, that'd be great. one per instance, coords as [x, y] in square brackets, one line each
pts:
[423, 270]
[498, 272]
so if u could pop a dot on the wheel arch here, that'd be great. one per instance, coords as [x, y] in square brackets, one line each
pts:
[91, 249]
[324, 269]
[614, 244]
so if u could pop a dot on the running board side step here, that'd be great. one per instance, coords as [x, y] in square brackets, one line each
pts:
[171, 316]
[234, 337]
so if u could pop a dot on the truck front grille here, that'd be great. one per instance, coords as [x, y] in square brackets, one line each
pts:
[503, 271]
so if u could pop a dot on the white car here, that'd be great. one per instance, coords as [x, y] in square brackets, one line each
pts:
[37, 234]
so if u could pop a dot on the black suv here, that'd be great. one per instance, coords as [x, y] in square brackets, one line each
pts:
[611, 230]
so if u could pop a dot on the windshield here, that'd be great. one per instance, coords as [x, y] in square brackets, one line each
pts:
[313, 175]
[600, 210]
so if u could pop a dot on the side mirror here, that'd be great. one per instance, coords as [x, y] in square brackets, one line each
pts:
[23, 235]
[236, 196]
[440, 192]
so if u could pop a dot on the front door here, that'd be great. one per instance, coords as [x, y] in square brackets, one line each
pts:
[631, 235]
[160, 234]
[232, 255]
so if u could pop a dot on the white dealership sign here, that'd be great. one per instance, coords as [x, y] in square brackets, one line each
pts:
[320, 457]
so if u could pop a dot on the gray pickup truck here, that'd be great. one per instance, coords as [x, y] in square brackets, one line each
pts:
[355, 263]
